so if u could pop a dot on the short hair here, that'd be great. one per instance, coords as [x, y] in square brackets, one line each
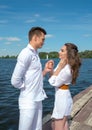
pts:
[36, 31]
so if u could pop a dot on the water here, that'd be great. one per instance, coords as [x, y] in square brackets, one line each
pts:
[9, 95]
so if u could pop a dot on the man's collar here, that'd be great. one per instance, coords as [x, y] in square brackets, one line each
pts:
[31, 48]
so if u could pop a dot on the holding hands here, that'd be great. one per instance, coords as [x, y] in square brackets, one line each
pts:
[48, 67]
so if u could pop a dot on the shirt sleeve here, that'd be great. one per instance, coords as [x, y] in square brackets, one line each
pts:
[17, 79]
[64, 77]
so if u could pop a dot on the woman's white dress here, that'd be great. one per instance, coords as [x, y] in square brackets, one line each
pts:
[63, 100]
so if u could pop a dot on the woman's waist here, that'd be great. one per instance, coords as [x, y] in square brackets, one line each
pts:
[64, 87]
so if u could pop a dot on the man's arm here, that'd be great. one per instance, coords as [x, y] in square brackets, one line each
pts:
[17, 79]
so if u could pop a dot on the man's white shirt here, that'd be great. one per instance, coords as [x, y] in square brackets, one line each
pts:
[27, 76]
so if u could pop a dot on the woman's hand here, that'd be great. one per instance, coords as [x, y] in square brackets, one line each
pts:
[62, 63]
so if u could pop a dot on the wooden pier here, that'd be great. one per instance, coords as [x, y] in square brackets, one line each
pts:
[81, 115]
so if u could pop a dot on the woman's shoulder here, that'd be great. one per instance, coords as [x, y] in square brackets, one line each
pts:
[68, 68]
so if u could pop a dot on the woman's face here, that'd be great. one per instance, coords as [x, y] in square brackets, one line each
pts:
[63, 53]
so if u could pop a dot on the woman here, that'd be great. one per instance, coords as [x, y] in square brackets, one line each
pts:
[64, 74]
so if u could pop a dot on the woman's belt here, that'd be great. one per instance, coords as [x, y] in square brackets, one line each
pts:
[64, 87]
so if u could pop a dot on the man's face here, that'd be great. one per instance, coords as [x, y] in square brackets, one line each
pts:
[40, 40]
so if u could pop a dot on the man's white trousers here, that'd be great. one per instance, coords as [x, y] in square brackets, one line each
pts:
[31, 119]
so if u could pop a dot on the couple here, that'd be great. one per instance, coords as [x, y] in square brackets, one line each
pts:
[28, 77]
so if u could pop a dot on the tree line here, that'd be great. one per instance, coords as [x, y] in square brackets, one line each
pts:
[54, 54]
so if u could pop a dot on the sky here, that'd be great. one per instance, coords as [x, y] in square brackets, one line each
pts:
[64, 20]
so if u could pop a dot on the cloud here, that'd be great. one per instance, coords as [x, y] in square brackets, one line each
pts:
[33, 19]
[1, 38]
[50, 19]
[10, 39]
[48, 5]
[49, 35]
[3, 6]
[37, 15]
[30, 21]
[13, 39]
[19, 45]
[87, 35]
[4, 49]
[3, 21]
[7, 43]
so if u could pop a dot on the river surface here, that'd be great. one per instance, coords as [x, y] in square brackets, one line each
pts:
[9, 95]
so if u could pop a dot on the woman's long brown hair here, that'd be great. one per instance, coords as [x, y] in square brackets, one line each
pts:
[73, 60]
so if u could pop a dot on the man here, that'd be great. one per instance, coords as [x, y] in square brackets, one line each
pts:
[28, 77]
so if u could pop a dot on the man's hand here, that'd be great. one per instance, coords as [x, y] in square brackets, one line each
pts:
[48, 67]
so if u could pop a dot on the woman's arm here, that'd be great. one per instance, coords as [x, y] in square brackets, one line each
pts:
[61, 65]
[48, 67]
